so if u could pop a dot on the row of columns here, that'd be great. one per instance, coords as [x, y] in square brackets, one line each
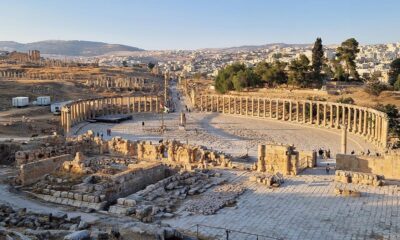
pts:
[367, 122]
[109, 82]
[88, 109]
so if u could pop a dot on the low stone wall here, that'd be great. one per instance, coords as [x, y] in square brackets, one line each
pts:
[358, 178]
[387, 165]
[33, 171]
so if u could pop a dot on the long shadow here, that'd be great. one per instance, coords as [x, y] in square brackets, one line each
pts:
[206, 124]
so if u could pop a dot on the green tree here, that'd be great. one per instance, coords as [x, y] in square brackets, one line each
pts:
[151, 65]
[338, 71]
[347, 53]
[235, 77]
[394, 71]
[317, 60]
[396, 85]
[299, 70]
[271, 74]
[394, 117]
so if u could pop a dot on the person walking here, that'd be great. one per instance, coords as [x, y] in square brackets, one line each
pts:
[327, 168]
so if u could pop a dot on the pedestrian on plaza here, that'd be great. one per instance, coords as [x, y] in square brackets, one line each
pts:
[101, 135]
[327, 169]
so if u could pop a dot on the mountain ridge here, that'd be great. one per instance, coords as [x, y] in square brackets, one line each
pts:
[67, 47]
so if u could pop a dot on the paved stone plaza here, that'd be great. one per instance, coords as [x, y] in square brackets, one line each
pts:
[304, 207]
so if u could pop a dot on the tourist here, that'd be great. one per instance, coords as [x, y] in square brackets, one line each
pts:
[368, 152]
[142, 124]
[327, 169]
[101, 135]
[352, 152]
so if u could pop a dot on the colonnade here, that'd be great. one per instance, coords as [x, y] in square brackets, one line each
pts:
[367, 122]
[116, 82]
[82, 110]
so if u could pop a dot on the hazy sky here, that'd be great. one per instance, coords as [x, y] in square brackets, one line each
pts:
[191, 24]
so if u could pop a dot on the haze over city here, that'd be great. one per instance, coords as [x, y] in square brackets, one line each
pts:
[199, 120]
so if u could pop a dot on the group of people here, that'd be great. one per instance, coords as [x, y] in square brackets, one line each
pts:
[325, 154]
[101, 134]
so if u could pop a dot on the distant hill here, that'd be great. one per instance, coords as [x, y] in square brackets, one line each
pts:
[265, 46]
[67, 48]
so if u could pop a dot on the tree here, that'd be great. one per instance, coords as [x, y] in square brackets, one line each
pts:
[338, 71]
[396, 85]
[394, 117]
[271, 74]
[347, 53]
[375, 87]
[124, 63]
[299, 71]
[151, 65]
[317, 59]
[235, 77]
[394, 71]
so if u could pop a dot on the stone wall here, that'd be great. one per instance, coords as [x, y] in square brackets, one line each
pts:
[367, 122]
[283, 159]
[33, 171]
[387, 165]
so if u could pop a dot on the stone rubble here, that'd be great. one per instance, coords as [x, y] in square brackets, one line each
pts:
[159, 200]
[212, 201]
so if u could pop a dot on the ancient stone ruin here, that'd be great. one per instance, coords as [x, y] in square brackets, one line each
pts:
[284, 159]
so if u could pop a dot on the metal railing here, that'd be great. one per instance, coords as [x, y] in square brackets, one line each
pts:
[228, 233]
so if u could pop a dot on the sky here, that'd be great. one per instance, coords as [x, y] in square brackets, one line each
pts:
[194, 24]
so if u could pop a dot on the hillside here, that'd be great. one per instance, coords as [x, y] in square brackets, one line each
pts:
[67, 48]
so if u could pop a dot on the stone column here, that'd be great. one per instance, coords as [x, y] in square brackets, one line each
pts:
[201, 103]
[311, 112]
[277, 109]
[283, 110]
[331, 116]
[247, 106]
[354, 120]
[365, 132]
[270, 108]
[349, 119]
[258, 107]
[344, 139]
[304, 112]
[217, 103]
[360, 118]
[290, 110]
[265, 108]
[337, 116]
[318, 111]
[297, 111]
[343, 115]
[223, 104]
[385, 128]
